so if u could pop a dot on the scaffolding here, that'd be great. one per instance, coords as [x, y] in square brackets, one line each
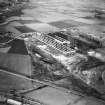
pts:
[58, 43]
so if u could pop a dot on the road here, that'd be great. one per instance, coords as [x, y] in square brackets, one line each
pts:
[48, 16]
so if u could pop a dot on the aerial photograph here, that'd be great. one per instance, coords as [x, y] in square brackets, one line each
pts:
[52, 52]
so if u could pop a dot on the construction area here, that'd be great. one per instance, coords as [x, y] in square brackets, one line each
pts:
[52, 52]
